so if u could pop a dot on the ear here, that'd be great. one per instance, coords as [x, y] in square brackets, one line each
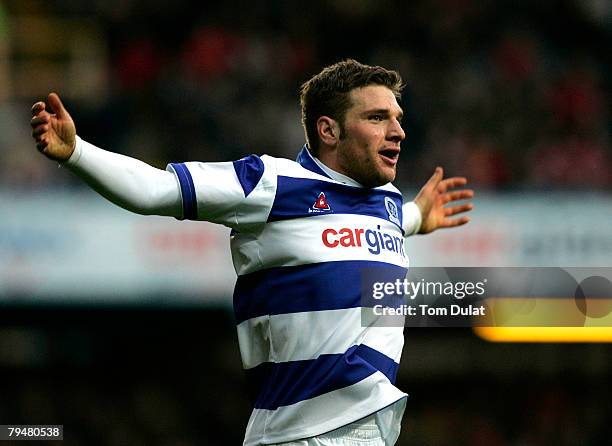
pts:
[328, 131]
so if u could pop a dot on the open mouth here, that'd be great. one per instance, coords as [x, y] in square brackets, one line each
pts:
[390, 155]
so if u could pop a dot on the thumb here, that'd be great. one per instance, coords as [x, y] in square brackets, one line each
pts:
[57, 106]
[435, 179]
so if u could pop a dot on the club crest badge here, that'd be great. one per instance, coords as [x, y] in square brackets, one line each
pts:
[392, 211]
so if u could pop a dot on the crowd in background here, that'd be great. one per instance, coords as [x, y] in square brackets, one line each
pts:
[510, 94]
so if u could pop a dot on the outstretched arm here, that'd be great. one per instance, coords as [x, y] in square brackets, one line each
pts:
[127, 182]
[435, 195]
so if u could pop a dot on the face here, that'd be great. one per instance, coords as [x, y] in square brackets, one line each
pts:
[369, 147]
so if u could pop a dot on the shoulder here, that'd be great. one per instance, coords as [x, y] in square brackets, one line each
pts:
[389, 187]
[288, 168]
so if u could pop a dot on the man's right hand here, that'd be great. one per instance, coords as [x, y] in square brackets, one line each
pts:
[54, 133]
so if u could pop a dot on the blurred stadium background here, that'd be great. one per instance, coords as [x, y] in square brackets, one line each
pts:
[120, 327]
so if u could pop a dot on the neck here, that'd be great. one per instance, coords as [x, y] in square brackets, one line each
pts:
[328, 158]
[330, 166]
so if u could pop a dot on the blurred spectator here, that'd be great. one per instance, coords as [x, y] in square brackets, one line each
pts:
[215, 83]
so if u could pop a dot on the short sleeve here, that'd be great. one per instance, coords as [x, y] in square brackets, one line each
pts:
[237, 194]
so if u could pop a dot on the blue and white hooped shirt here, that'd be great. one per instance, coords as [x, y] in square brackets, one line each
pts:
[300, 240]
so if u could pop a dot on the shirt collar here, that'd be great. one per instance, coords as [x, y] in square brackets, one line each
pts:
[310, 162]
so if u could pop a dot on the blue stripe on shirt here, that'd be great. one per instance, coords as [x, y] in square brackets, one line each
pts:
[295, 198]
[249, 170]
[306, 160]
[285, 383]
[190, 205]
[311, 287]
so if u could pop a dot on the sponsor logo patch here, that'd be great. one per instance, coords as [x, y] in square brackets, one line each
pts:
[376, 241]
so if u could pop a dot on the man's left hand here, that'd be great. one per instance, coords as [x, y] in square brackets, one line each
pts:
[433, 197]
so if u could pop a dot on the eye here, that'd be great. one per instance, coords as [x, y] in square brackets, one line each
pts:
[377, 118]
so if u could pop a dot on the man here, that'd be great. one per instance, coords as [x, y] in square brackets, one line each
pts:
[302, 233]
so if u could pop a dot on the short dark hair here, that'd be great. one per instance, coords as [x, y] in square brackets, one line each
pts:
[327, 93]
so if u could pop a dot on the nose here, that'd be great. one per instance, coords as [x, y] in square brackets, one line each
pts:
[395, 132]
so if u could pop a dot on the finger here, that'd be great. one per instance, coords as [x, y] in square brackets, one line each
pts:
[452, 222]
[434, 180]
[43, 118]
[40, 130]
[56, 104]
[450, 183]
[454, 210]
[463, 194]
[41, 145]
[38, 107]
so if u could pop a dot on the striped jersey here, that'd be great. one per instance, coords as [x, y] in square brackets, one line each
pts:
[300, 242]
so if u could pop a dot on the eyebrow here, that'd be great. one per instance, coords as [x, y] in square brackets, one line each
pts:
[382, 111]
